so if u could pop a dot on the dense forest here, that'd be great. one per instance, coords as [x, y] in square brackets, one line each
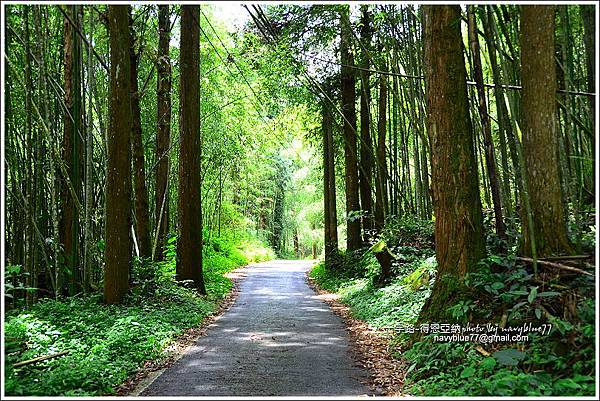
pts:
[438, 162]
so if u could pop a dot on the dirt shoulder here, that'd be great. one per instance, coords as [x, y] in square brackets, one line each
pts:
[370, 347]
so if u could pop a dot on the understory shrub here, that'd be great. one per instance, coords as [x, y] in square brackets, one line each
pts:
[108, 343]
[503, 292]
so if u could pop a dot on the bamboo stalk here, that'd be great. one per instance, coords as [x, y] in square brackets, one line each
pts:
[556, 265]
[567, 257]
[39, 359]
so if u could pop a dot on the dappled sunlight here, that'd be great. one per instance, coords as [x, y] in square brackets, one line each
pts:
[278, 328]
[267, 199]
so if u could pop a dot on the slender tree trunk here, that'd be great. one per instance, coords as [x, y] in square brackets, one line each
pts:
[163, 97]
[425, 179]
[490, 157]
[539, 135]
[72, 150]
[12, 229]
[417, 168]
[395, 204]
[30, 168]
[296, 243]
[329, 197]
[383, 256]
[405, 170]
[510, 124]
[501, 112]
[89, 182]
[314, 242]
[189, 243]
[365, 173]
[220, 201]
[381, 188]
[278, 210]
[589, 26]
[353, 235]
[564, 79]
[53, 206]
[118, 172]
[142, 219]
[458, 219]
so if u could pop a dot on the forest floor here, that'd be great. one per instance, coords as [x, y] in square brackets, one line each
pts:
[151, 369]
[279, 338]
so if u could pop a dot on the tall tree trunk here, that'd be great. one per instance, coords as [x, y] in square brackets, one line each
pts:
[589, 28]
[329, 197]
[30, 168]
[458, 219]
[548, 234]
[383, 256]
[564, 80]
[381, 187]
[490, 157]
[163, 98]
[314, 242]
[365, 173]
[189, 243]
[394, 199]
[504, 125]
[89, 161]
[425, 179]
[417, 165]
[142, 220]
[278, 209]
[296, 244]
[72, 152]
[53, 231]
[353, 234]
[118, 169]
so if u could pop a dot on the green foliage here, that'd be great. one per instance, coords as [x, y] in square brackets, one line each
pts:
[14, 282]
[457, 369]
[327, 279]
[559, 363]
[422, 275]
[409, 231]
[388, 307]
[397, 304]
[107, 343]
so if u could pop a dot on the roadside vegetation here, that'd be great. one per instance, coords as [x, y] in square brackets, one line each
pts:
[502, 292]
[439, 158]
[106, 344]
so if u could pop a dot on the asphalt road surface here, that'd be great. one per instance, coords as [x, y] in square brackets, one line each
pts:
[277, 339]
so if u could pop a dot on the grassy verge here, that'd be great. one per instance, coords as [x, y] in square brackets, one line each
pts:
[388, 307]
[504, 293]
[108, 343]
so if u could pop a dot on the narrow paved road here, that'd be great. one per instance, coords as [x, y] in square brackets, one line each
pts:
[277, 339]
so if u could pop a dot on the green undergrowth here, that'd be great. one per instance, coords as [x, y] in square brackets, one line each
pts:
[502, 292]
[108, 343]
[560, 362]
[353, 276]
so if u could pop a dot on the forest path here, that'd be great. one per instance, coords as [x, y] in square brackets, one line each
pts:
[277, 339]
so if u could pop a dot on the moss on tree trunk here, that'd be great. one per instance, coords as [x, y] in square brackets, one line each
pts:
[458, 219]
